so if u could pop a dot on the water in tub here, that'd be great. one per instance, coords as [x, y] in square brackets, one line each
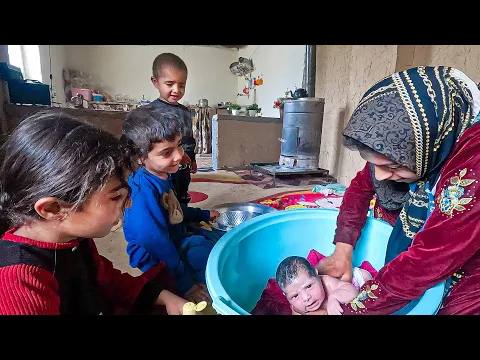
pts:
[246, 286]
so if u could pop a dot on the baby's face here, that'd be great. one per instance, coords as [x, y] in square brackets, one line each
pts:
[305, 293]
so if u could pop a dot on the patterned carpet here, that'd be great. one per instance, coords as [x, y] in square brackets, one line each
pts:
[197, 196]
[301, 199]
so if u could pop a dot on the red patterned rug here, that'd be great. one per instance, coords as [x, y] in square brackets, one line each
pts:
[197, 196]
[301, 199]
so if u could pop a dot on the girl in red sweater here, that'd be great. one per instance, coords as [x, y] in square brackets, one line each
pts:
[62, 183]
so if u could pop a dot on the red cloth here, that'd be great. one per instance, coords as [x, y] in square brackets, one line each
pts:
[31, 290]
[448, 242]
[273, 302]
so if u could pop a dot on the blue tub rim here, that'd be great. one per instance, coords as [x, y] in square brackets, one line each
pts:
[226, 306]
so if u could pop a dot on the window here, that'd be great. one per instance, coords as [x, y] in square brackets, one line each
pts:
[27, 58]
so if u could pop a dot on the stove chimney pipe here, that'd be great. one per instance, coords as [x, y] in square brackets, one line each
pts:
[311, 66]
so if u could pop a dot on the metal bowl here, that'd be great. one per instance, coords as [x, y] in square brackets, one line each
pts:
[233, 214]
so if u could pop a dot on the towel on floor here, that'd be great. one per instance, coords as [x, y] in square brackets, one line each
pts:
[273, 302]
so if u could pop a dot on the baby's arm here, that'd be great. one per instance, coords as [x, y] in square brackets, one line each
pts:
[342, 292]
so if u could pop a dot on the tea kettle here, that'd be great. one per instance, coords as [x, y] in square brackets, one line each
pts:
[299, 93]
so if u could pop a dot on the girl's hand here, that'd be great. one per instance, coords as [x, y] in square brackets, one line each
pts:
[172, 302]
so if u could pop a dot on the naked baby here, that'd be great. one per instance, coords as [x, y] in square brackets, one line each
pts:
[311, 294]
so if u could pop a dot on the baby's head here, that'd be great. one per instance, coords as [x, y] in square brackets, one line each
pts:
[300, 284]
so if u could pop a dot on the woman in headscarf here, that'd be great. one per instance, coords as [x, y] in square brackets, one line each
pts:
[421, 127]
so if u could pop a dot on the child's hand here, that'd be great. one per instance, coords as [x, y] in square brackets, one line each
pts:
[214, 214]
[198, 293]
[194, 167]
[333, 306]
[186, 160]
[172, 302]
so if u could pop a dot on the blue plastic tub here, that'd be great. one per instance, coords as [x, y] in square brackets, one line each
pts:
[243, 260]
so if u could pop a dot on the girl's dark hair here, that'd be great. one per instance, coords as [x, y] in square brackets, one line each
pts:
[147, 125]
[54, 154]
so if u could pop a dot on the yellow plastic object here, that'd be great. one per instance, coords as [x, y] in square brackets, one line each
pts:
[205, 226]
[202, 308]
[189, 309]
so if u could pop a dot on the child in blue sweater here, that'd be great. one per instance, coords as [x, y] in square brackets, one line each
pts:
[154, 224]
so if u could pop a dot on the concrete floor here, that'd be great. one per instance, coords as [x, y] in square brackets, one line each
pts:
[113, 246]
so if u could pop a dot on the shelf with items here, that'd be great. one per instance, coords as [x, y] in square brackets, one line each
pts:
[112, 105]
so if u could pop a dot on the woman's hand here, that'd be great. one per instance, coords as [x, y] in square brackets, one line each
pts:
[172, 302]
[339, 264]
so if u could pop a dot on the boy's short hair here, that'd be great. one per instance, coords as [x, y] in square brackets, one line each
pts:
[147, 125]
[289, 269]
[167, 59]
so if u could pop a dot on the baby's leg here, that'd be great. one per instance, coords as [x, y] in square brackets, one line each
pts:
[366, 275]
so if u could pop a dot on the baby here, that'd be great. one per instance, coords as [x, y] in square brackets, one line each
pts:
[311, 294]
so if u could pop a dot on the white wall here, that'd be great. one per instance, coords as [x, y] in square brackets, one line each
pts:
[58, 56]
[126, 69]
[281, 67]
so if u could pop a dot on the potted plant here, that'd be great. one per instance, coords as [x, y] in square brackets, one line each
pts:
[234, 108]
[278, 104]
[252, 109]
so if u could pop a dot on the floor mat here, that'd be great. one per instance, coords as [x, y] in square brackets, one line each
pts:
[197, 196]
[301, 199]
[266, 181]
[218, 177]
